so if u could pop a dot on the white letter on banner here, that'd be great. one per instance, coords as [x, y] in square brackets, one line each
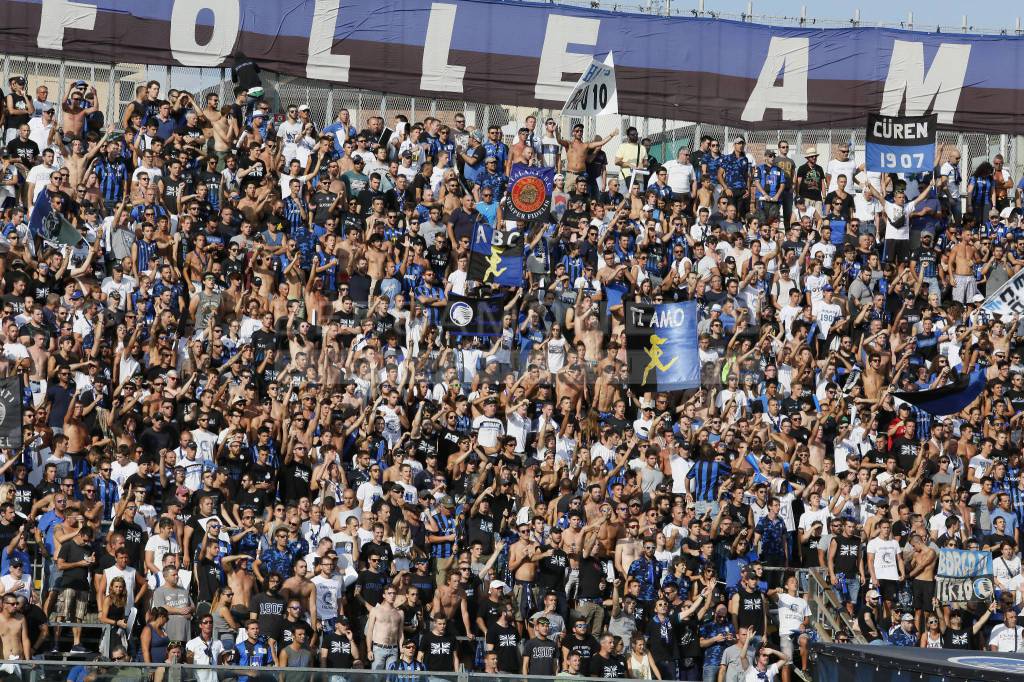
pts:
[321, 63]
[790, 56]
[57, 15]
[438, 74]
[555, 58]
[185, 49]
[942, 83]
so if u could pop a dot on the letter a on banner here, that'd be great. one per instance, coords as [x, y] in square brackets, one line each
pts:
[594, 94]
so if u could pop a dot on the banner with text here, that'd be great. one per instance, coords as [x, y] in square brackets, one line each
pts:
[10, 413]
[661, 344]
[1007, 299]
[496, 256]
[964, 576]
[900, 144]
[595, 94]
[532, 54]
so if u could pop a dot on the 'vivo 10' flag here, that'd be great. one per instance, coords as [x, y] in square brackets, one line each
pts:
[900, 144]
[662, 346]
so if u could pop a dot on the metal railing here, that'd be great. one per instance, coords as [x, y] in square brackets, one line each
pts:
[108, 671]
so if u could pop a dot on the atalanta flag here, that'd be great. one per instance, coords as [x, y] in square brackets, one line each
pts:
[495, 256]
[476, 316]
[661, 344]
[900, 144]
[529, 192]
[948, 399]
[10, 413]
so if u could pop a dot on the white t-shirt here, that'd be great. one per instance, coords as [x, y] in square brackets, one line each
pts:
[205, 653]
[885, 552]
[458, 281]
[894, 212]
[1006, 639]
[826, 314]
[770, 673]
[488, 429]
[680, 176]
[865, 209]
[161, 548]
[836, 168]
[948, 171]
[792, 611]
[328, 590]
[289, 133]
[369, 492]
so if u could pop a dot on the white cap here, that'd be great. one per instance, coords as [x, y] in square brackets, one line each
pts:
[978, 298]
[499, 585]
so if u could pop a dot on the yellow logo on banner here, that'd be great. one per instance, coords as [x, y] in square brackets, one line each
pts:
[654, 352]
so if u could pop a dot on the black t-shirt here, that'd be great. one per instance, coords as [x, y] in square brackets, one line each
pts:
[553, 570]
[612, 667]
[505, 641]
[371, 586]
[906, 452]
[207, 575]
[25, 150]
[543, 655]
[76, 578]
[812, 181]
[269, 610]
[584, 646]
[288, 629]
[385, 552]
[134, 540]
[339, 650]
[438, 651]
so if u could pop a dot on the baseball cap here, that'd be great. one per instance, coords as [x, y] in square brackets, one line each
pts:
[716, 308]
[977, 298]
[739, 140]
[447, 501]
[498, 585]
[871, 595]
[907, 618]
[303, 107]
[827, 287]
[15, 561]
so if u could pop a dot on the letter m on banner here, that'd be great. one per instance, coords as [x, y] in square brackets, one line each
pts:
[937, 89]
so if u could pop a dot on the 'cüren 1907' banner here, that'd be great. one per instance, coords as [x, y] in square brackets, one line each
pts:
[900, 144]
[532, 54]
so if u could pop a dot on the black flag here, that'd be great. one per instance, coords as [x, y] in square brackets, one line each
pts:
[10, 413]
[475, 316]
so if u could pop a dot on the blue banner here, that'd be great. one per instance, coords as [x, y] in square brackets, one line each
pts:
[529, 192]
[964, 575]
[948, 399]
[661, 342]
[900, 144]
[531, 54]
[496, 256]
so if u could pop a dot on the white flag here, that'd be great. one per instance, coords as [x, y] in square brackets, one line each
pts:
[595, 93]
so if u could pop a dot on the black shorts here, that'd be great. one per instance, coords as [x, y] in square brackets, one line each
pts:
[924, 593]
[889, 589]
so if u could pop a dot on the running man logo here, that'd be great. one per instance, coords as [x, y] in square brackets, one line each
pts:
[494, 269]
[654, 352]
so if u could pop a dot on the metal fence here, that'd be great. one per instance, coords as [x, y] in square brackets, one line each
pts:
[115, 85]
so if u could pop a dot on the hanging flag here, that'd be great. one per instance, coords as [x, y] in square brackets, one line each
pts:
[661, 344]
[475, 316]
[496, 256]
[900, 144]
[595, 93]
[10, 413]
[529, 192]
[964, 576]
[1007, 299]
[948, 399]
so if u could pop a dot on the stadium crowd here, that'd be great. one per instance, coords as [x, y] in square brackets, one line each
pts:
[248, 440]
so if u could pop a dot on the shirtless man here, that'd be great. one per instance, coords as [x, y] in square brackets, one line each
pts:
[377, 255]
[242, 583]
[384, 632]
[522, 562]
[577, 151]
[224, 130]
[964, 255]
[14, 631]
[922, 576]
[450, 599]
[627, 549]
[75, 430]
[299, 587]
[588, 332]
[79, 159]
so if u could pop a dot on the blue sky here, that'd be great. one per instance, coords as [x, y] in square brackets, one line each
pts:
[991, 14]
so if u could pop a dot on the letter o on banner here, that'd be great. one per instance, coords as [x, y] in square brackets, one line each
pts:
[184, 47]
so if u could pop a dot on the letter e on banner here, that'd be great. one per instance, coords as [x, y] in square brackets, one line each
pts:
[555, 58]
